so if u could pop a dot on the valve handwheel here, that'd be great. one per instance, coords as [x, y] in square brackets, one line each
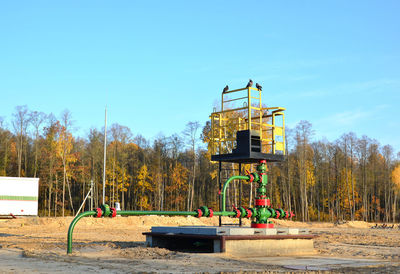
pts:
[199, 213]
[98, 210]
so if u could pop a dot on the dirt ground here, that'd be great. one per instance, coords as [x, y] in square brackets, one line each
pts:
[38, 245]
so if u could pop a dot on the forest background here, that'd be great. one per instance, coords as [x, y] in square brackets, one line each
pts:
[351, 178]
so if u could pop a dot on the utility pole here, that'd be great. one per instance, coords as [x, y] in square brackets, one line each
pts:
[91, 195]
[105, 153]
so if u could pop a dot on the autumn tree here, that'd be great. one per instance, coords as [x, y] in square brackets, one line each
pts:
[396, 188]
[65, 143]
[37, 119]
[20, 124]
[5, 140]
[304, 153]
[178, 186]
[144, 185]
[49, 159]
[191, 133]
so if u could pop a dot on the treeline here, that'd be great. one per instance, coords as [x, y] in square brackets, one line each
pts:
[351, 178]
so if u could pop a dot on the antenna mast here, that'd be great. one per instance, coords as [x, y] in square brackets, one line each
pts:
[105, 153]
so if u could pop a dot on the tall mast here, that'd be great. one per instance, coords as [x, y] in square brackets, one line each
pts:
[105, 153]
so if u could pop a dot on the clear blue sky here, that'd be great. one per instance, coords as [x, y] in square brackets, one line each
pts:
[159, 64]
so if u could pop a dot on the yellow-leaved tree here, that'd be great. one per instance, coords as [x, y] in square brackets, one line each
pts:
[345, 189]
[144, 187]
[396, 182]
[177, 188]
[64, 148]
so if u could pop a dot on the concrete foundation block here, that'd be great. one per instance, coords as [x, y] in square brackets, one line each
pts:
[304, 231]
[293, 231]
[268, 231]
[258, 248]
[282, 231]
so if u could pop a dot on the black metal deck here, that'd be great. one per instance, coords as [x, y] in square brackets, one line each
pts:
[251, 157]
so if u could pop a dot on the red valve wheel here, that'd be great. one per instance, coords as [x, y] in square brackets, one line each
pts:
[98, 210]
[237, 211]
[199, 213]
[249, 213]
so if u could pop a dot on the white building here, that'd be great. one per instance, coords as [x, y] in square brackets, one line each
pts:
[19, 196]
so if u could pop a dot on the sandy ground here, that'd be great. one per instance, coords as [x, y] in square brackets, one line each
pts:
[38, 245]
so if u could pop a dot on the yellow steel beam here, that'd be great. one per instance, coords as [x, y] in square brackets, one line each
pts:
[230, 110]
[277, 108]
[241, 98]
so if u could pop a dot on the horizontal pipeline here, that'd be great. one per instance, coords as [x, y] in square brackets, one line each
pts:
[94, 213]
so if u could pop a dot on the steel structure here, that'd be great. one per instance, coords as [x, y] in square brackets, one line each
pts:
[242, 109]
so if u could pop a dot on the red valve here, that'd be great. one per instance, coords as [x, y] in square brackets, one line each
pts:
[237, 211]
[249, 213]
[199, 213]
[251, 177]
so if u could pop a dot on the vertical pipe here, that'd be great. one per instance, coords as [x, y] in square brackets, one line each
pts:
[105, 155]
[91, 194]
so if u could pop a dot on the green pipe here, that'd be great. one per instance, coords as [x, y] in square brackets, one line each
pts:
[139, 213]
[225, 213]
[168, 213]
[133, 213]
[238, 177]
[173, 213]
[72, 225]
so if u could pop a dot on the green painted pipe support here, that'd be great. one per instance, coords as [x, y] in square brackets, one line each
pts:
[226, 186]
